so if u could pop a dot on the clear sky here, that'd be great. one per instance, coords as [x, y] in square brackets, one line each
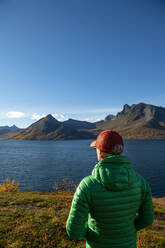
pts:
[81, 59]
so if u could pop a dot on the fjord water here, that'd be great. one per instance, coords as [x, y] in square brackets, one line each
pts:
[37, 165]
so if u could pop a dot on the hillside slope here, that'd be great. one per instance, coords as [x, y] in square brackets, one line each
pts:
[31, 219]
[48, 128]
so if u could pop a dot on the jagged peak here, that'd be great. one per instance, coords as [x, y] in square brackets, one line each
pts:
[109, 117]
[126, 107]
[141, 104]
[49, 117]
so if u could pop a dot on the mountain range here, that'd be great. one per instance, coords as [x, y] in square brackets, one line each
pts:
[7, 129]
[138, 121]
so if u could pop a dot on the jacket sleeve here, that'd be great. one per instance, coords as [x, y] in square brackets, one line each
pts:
[76, 225]
[145, 215]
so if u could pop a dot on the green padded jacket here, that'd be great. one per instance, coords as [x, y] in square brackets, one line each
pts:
[110, 205]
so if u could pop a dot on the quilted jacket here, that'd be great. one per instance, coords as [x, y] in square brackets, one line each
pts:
[110, 205]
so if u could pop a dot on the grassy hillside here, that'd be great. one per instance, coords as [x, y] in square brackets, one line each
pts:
[37, 220]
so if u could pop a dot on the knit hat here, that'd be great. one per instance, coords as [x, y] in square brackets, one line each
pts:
[106, 140]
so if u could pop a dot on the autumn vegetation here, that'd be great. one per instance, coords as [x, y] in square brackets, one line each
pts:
[37, 220]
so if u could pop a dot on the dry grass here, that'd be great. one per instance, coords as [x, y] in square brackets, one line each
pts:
[37, 220]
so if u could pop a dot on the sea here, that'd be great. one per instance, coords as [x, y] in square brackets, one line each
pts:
[39, 165]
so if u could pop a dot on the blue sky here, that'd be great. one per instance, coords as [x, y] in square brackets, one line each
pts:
[80, 59]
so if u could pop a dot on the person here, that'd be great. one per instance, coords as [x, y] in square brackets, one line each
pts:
[113, 203]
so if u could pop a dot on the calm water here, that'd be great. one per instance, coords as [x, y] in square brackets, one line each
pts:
[38, 164]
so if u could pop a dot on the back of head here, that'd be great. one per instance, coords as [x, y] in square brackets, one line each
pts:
[109, 142]
[116, 150]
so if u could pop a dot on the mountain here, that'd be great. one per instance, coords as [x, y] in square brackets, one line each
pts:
[48, 128]
[109, 117]
[68, 133]
[138, 121]
[7, 129]
[39, 129]
[79, 124]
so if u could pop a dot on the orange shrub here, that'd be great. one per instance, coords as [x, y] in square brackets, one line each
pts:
[8, 186]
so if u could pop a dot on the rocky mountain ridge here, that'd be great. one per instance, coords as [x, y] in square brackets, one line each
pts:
[7, 129]
[138, 121]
